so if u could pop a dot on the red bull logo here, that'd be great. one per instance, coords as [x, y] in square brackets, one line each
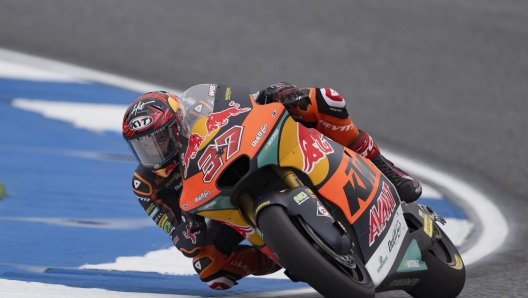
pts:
[195, 140]
[190, 235]
[219, 119]
[245, 231]
[314, 147]
[170, 168]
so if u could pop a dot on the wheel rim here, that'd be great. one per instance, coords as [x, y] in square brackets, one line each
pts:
[348, 264]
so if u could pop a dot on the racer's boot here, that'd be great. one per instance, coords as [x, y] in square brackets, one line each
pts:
[221, 271]
[409, 189]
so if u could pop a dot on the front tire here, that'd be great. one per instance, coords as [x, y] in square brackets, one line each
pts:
[446, 271]
[300, 256]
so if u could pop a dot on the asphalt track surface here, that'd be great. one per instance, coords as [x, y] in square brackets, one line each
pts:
[441, 81]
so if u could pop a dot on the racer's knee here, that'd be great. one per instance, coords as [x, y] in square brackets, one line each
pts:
[221, 271]
[210, 264]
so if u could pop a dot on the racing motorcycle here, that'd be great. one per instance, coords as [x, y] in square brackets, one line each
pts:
[324, 213]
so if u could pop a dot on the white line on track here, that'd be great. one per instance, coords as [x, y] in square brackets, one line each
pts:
[495, 228]
[494, 225]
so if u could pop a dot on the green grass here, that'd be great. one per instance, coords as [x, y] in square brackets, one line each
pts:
[3, 193]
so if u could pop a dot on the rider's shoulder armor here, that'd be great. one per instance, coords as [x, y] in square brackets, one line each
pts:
[330, 102]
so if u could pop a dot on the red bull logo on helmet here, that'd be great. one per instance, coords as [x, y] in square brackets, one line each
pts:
[313, 146]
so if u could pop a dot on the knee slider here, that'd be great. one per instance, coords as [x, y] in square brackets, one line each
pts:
[218, 281]
[221, 283]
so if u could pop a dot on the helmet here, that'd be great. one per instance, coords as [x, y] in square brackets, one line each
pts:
[150, 127]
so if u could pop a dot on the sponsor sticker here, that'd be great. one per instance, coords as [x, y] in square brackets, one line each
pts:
[219, 119]
[259, 135]
[300, 198]
[380, 213]
[140, 123]
[208, 206]
[137, 183]
[163, 220]
[386, 253]
[333, 127]
[396, 235]
[212, 90]
[271, 139]
[382, 262]
[204, 195]
[142, 198]
[314, 147]
[245, 231]
[428, 225]
[412, 260]
[189, 235]
[321, 211]
[262, 205]
[311, 193]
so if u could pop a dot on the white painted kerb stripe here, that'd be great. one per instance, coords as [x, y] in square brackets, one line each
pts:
[23, 289]
[81, 73]
[494, 225]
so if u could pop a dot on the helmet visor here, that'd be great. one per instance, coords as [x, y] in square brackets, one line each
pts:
[155, 149]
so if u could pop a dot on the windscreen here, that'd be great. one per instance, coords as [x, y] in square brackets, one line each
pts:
[199, 103]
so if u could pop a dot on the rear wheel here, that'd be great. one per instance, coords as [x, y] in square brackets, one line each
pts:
[304, 254]
[446, 271]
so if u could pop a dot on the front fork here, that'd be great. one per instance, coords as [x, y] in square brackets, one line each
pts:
[246, 203]
[288, 177]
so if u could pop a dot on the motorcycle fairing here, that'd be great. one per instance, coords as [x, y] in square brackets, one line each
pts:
[418, 216]
[381, 257]
[347, 179]
[237, 221]
[216, 124]
[224, 145]
[374, 224]
[268, 155]
[408, 269]
[302, 201]
[307, 150]
[353, 185]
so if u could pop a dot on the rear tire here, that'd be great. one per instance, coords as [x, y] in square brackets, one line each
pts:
[446, 273]
[301, 258]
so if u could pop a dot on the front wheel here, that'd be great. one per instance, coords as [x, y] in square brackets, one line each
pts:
[304, 254]
[446, 272]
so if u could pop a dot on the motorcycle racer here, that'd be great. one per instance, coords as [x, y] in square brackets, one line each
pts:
[151, 131]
